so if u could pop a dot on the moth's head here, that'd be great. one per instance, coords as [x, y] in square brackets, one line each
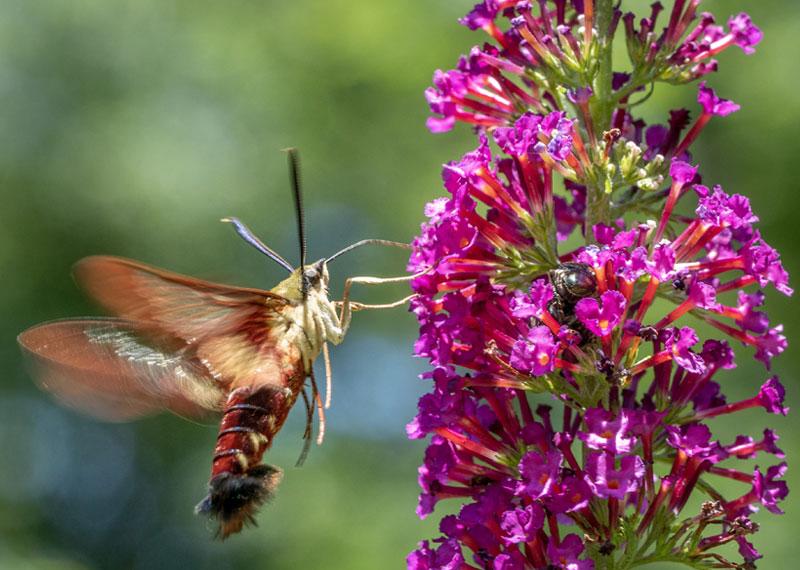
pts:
[316, 276]
[311, 279]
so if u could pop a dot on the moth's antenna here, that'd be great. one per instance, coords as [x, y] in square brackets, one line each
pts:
[368, 242]
[251, 238]
[294, 176]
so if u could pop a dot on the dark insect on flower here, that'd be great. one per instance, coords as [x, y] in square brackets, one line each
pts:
[193, 347]
[571, 283]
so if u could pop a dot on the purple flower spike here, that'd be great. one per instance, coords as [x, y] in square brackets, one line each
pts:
[603, 317]
[536, 353]
[607, 235]
[718, 353]
[505, 312]
[771, 396]
[524, 136]
[716, 207]
[714, 105]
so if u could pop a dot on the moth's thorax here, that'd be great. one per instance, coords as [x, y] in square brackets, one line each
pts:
[306, 324]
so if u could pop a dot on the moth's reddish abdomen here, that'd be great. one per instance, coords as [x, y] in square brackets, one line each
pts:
[239, 482]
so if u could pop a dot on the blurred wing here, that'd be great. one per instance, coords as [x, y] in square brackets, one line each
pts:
[240, 336]
[180, 306]
[106, 368]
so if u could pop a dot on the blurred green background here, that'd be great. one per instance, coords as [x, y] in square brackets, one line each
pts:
[132, 127]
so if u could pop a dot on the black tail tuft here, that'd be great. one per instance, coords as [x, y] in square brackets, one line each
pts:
[232, 500]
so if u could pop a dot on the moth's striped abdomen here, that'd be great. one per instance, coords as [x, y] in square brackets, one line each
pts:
[239, 482]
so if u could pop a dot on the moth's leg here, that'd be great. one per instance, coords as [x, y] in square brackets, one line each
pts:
[346, 309]
[326, 356]
[322, 424]
[307, 432]
[354, 306]
[317, 402]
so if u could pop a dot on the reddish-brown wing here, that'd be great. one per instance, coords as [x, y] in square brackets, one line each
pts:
[168, 303]
[105, 368]
[178, 340]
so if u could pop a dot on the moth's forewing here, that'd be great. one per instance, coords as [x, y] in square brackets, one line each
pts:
[184, 307]
[106, 368]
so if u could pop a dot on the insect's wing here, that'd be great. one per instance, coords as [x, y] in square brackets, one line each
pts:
[107, 369]
[240, 336]
[181, 306]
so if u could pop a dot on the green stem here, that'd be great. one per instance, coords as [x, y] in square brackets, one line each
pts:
[605, 72]
[601, 109]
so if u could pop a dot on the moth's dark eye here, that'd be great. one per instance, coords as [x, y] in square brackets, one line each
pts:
[312, 276]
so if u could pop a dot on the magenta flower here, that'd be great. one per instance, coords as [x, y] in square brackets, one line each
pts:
[714, 105]
[771, 396]
[565, 555]
[536, 353]
[682, 172]
[693, 440]
[608, 482]
[570, 496]
[533, 304]
[578, 260]
[680, 342]
[603, 317]
[538, 473]
[606, 432]
[447, 556]
[768, 489]
[746, 35]
[521, 525]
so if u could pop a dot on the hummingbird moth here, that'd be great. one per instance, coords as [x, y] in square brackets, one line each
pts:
[195, 347]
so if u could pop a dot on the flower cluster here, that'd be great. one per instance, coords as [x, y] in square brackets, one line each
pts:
[573, 399]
